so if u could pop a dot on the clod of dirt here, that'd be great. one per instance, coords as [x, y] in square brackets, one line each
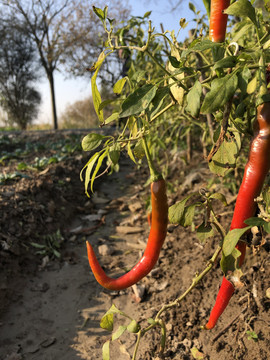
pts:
[105, 250]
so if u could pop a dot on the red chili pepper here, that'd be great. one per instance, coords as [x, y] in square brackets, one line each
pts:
[218, 20]
[155, 241]
[256, 170]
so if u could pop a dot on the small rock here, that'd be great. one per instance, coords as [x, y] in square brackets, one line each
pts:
[76, 230]
[42, 287]
[197, 343]
[105, 250]
[135, 206]
[91, 217]
[129, 229]
[139, 291]
[99, 200]
[161, 286]
[45, 261]
[187, 343]
[48, 342]
[169, 327]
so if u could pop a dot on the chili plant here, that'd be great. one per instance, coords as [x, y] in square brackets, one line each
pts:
[212, 83]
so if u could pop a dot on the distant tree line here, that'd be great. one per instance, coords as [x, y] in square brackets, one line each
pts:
[40, 37]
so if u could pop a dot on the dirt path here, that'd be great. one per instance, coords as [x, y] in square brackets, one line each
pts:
[57, 312]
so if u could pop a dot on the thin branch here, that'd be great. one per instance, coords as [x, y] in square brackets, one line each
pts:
[223, 130]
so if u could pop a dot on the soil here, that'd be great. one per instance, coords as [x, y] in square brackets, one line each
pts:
[50, 303]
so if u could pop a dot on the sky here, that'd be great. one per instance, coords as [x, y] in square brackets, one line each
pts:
[70, 90]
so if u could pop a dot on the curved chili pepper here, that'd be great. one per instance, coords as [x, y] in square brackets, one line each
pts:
[256, 170]
[218, 20]
[155, 241]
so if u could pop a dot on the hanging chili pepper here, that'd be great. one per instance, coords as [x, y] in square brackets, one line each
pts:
[218, 20]
[155, 241]
[256, 170]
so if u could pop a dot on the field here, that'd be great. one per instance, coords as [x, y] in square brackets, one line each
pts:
[50, 303]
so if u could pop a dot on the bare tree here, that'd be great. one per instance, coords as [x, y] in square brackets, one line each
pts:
[59, 28]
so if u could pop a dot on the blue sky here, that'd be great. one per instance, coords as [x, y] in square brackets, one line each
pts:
[69, 91]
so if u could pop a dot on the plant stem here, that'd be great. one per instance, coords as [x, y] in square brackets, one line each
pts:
[155, 175]
[195, 281]
[163, 111]
[139, 335]
[165, 70]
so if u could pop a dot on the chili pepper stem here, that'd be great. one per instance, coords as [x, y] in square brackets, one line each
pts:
[155, 175]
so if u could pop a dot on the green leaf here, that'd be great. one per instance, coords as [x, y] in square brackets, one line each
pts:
[138, 101]
[188, 215]
[107, 322]
[151, 321]
[99, 163]
[207, 5]
[175, 63]
[118, 86]
[227, 62]
[106, 350]
[204, 232]
[220, 197]
[118, 332]
[113, 310]
[255, 221]
[112, 118]
[229, 263]
[114, 154]
[107, 102]
[133, 327]
[222, 89]
[242, 32]
[147, 14]
[37, 246]
[56, 253]
[243, 79]
[138, 76]
[231, 239]
[252, 335]
[130, 153]
[266, 227]
[192, 7]
[95, 93]
[194, 99]
[176, 211]
[225, 158]
[91, 141]
[198, 45]
[22, 166]
[139, 150]
[99, 12]
[89, 167]
[156, 104]
[197, 354]
[252, 85]
[242, 8]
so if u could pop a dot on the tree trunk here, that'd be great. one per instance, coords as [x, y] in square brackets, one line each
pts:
[54, 113]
